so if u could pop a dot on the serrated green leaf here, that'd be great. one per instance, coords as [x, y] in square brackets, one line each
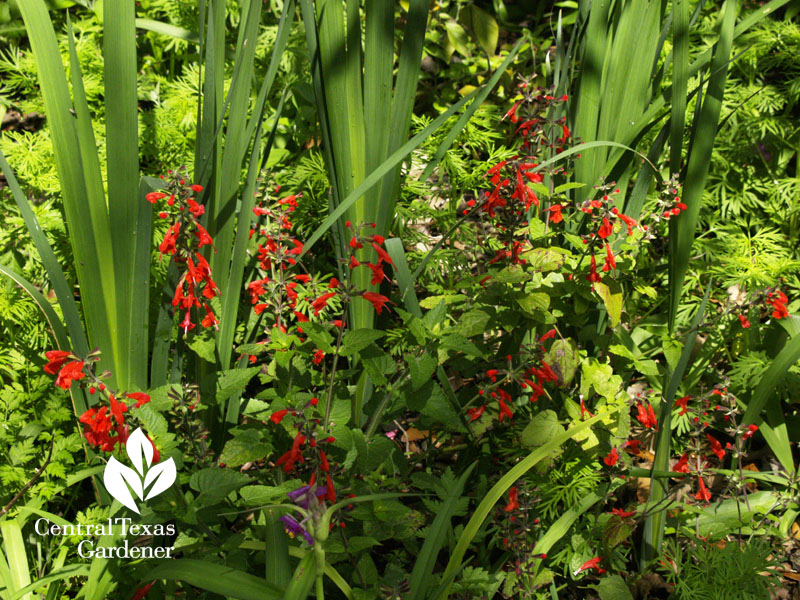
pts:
[234, 381]
[611, 295]
[358, 339]
[215, 484]
[421, 369]
[245, 446]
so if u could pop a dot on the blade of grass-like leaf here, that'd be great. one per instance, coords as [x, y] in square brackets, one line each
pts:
[54, 272]
[777, 370]
[162, 337]
[682, 230]
[276, 556]
[168, 29]
[122, 142]
[215, 578]
[464, 119]
[680, 80]
[654, 524]
[16, 557]
[501, 487]
[302, 579]
[74, 570]
[233, 283]
[80, 201]
[408, 71]
[777, 436]
[435, 539]
[394, 246]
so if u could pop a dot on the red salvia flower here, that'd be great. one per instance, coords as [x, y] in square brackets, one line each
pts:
[322, 302]
[682, 466]
[743, 320]
[318, 356]
[475, 413]
[57, 358]
[513, 503]
[504, 410]
[612, 457]
[141, 398]
[683, 403]
[278, 415]
[594, 563]
[606, 229]
[377, 300]
[377, 273]
[716, 447]
[330, 492]
[623, 514]
[69, 373]
[703, 493]
[610, 262]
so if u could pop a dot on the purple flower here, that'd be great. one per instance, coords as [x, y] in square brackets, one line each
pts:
[301, 495]
[294, 528]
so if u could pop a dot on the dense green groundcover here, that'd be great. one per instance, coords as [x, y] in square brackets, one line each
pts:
[402, 300]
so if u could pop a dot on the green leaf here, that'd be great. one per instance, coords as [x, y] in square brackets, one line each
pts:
[612, 298]
[421, 369]
[215, 578]
[564, 359]
[357, 339]
[234, 381]
[534, 303]
[458, 37]
[215, 484]
[471, 323]
[613, 587]
[245, 446]
[543, 427]
[485, 29]
[203, 345]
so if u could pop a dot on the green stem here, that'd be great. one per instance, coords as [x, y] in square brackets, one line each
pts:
[319, 554]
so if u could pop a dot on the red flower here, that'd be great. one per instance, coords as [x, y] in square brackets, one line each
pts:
[70, 372]
[354, 263]
[377, 273]
[504, 410]
[376, 300]
[56, 358]
[646, 416]
[382, 254]
[703, 493]
[592, 564]
[606, 229]
[330, 493]
[322, 302]
[318, 356]
[751, 429]
[293, 456]
[623, 514]
[584, 410]
[743, 320]
[610, 262]
[778, 302]
[629, 222]
[633, 445]
[301, 318]
[682, 466]
[475, 413]
[141, 398]
[612, 457]
[117, 408]
[278, 415]
[141, 593]
[153, 197]
[323, 462]
[716, 447]
[513, 504]
[682, 402]
[555, 213]
[593, 276]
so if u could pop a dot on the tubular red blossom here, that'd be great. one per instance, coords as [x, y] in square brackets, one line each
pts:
[513, 502]
[610, 262]
[202, 236]
[682, 402]
[302, 278]
[70, 372]
[323, 462]
[475, 413]
[778, 302]
[278, 415]
[584, 410]
[505, 412]
[141, 398]
[592, 564]
[743, 320]
[322, 302]
[377, 273]
[716, 447]
[154, 197]
[334, 283]
[377, 300]
[382, 254]
[629, 222]
[301, 318]
[606, 229]
[117, 408]
[622, 514]
[330, 492]
[318, 356]
[612, 457]
[646, 416]
[354, 263]
[555, 213]
[593, 275]
[57, 358]
[703, 493]
[682, 466]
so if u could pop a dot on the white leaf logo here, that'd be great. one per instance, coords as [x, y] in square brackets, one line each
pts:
[121, 480]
